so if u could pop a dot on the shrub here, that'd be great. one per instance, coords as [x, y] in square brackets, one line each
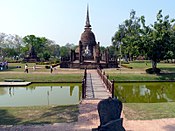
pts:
[126, 66]
[151, 71]
[47, 67]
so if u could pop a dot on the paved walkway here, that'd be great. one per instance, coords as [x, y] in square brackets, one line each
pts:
[95, 88]
[95, 91]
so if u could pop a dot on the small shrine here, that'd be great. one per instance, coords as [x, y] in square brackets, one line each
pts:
[32, 56]
[88, 54]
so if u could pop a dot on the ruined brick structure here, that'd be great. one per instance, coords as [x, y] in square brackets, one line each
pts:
[87, 54]
[32, 56]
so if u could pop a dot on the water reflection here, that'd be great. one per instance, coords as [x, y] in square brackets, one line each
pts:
[2, 91]
[48, 97]
[39, 95]
[145, 92]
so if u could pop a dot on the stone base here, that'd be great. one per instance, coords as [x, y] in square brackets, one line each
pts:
[87, 64]
[32, 60]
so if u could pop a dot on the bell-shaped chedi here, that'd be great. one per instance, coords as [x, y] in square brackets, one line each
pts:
[88, 54]
[88, 40]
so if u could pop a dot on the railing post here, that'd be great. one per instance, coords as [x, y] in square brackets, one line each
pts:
[104, 73]
[85, 75]
[84, 84]
[83, 95]
[103, 76]
[113, 89]
[107, 84]
[85, 88]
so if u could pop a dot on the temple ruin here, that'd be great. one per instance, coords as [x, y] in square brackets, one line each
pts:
[88, 54]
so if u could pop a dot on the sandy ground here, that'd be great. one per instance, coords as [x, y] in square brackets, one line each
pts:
[89, 119]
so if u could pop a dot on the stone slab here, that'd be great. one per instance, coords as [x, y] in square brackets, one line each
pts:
[14, 83]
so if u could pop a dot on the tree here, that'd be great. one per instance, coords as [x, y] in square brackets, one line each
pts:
[37, 42]
[10, 45]
[157, 39]
[128, 34]
[46, 55]
[54, 50]
[64, 51]
[156, 42]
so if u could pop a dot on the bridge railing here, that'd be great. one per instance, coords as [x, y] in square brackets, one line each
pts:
[84, 84]
[109, 84]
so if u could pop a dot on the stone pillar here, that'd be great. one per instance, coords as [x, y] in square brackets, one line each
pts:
[80, 52]
[107, 55]
[72, 56]
[94, 52]
[98, 52]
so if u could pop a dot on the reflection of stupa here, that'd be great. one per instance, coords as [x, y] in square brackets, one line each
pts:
[32, 57]
[87, 54]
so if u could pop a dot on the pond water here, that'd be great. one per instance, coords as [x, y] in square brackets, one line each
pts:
[151, 92]
[42, 94]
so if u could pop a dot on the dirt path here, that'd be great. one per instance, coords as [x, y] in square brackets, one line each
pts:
[88, 119]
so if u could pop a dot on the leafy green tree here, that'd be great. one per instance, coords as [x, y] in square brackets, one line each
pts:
[112, 51]
[46, 55]
[156, 42]
[54, 50]
[37, 42]
[128, 35]
[64, 51]
[157, 39]
[10, 52]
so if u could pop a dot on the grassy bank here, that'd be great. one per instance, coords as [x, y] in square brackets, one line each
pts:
[41, 74]
[148, 111]
[138, 73]
[141, 77]
[42, 77]
[38, 115]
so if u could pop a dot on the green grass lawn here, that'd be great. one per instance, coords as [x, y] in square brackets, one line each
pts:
[138, 72]
[38, 115]
[148, 111]
[163, 66]
[43, 77]
[141, 77]
[41, 74]
[13, 67]
[142, 65]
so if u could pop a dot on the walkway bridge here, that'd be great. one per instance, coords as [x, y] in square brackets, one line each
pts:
[96, 85]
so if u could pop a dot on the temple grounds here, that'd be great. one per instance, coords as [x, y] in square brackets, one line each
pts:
[131, 111]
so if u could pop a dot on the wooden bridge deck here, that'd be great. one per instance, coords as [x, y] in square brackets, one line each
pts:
[95, 88]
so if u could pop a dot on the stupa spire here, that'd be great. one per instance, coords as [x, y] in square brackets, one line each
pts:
[87, 18]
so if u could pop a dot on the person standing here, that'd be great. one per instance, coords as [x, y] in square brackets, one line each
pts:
[26, 68]
[34, 67]
[51, 69]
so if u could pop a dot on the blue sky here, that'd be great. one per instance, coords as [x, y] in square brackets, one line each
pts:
[63, 20]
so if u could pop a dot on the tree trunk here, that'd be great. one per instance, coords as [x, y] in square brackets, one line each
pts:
[154, 65]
